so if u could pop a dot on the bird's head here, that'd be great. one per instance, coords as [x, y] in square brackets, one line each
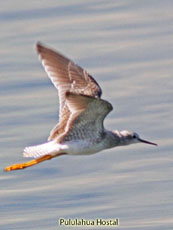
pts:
[128, 137]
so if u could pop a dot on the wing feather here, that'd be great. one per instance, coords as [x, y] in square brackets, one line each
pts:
[87, 116]
[66, 77]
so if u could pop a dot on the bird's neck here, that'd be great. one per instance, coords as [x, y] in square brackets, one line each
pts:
[112, 138]
[122, 137]
[118, 139]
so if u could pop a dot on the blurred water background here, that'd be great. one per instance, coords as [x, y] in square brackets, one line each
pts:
[128, 47]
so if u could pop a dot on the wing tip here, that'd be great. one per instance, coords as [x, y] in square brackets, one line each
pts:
[39, 46]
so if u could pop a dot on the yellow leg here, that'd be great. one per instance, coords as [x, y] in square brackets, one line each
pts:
[30, 163]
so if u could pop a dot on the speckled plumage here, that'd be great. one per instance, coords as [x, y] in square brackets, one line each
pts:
[81, 113]
[80, 130]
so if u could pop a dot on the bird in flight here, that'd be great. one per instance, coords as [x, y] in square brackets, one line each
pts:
[80, 130]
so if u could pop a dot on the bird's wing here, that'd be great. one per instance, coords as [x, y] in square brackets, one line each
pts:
[86, 118]
[66, 77]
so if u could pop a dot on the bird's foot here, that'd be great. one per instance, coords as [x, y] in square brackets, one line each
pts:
[28, 164]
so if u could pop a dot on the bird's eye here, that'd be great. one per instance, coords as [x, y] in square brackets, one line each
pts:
[134, 136]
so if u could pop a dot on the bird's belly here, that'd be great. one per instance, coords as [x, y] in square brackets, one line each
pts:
[83, 147]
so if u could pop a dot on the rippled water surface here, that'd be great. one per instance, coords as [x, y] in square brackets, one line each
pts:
[127, 47]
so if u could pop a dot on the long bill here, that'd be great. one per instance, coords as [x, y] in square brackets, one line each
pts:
[147, 142]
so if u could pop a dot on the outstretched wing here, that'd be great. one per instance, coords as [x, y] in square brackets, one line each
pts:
[86, 118]
[66, 77]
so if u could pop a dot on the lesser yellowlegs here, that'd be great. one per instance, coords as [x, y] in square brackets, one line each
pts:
[80, 130]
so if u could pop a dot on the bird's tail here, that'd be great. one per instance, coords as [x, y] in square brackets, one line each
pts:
[50, 148]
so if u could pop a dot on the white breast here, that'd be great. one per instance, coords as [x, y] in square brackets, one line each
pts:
[82, 147]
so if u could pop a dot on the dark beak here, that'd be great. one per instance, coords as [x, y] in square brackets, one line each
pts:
[147, 142]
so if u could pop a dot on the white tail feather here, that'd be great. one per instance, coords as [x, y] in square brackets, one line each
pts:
[41, 150]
